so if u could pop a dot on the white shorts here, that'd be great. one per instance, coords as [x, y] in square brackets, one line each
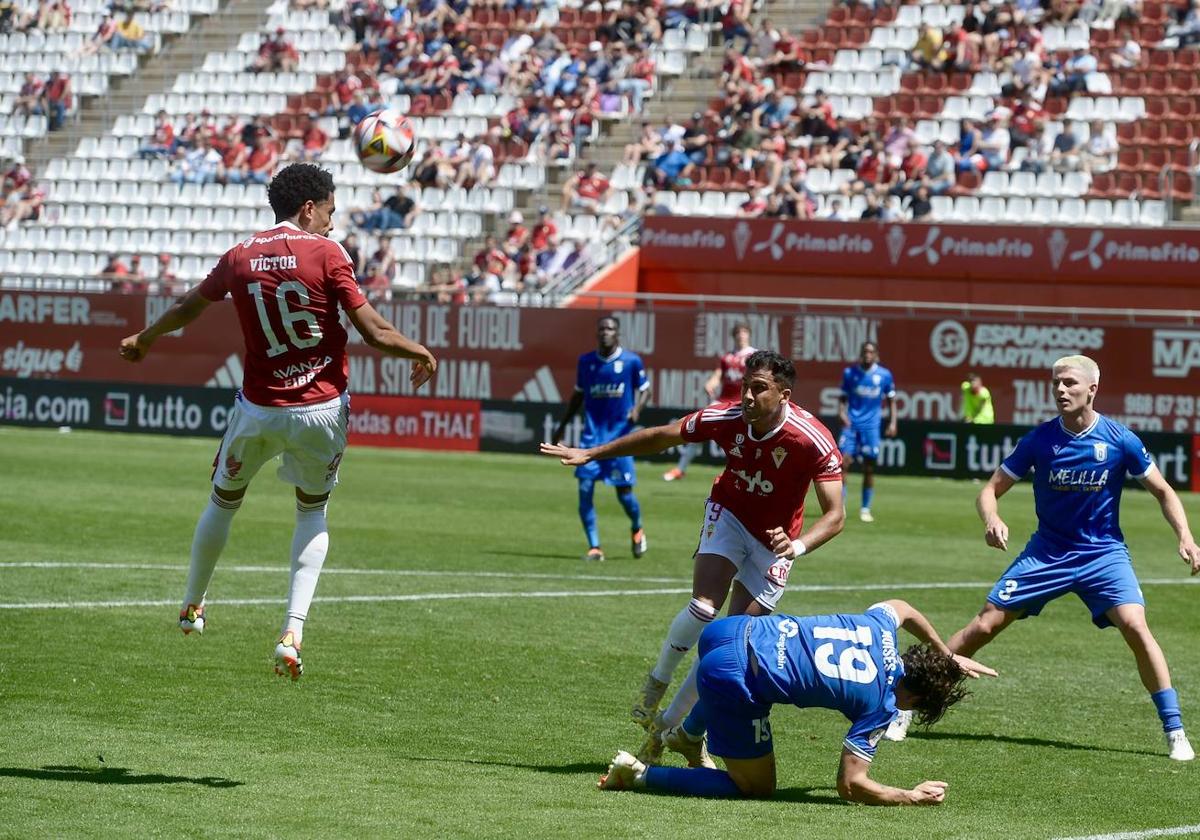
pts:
[762, 573]
[309, 439]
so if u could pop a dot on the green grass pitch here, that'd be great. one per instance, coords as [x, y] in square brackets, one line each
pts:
[492, 714]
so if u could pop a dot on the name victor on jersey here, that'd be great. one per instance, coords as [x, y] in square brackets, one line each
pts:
[273, 263]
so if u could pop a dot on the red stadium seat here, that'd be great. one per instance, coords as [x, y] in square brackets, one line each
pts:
[1127, 184]
[863, 15]
[1187, 60]
[1104, 185]
[838, 15]
[1127, 132]
[1183, 107]
[1128, 160]
[1160, 59]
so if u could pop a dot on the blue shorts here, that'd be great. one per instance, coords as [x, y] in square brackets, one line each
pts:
[616, 472]
[859, 443]
[1101, 581]
[738, 726]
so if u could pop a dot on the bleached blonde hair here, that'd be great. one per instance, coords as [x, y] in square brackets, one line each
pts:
[1083, 363]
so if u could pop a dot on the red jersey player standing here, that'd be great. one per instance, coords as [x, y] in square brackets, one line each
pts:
[751, 531]
[724, 384]
[287, 284]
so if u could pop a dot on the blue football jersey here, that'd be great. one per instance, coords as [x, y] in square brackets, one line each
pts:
[610, 386]
[865, 391]
[845, 662]
[1077, 482]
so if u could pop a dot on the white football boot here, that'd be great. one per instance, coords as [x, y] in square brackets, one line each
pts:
[287, 657]
[1178, 746]
[624, 773]
[898, 729]
[191, 619]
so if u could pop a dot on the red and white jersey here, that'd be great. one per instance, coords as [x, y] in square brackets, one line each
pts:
[287, 285]
[765, 480]
[733, 371]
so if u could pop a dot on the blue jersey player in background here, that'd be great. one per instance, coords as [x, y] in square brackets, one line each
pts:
[850, 663]
[865, 388]
[1080, 461]
[612, 388]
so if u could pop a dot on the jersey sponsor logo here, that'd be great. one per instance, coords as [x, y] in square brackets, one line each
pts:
[1088, 481]
[778, 572]
[788, 629]
[607, 391]
[276, 263]
[301, 373]
[736, 451]
[1100, 450]
[756, 483]
[777, 455]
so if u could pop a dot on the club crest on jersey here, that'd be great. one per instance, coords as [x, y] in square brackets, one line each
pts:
[691, 424]
[1055, 449]
[740, 439]
[777, 455]
[1101, 450]
[618, 366]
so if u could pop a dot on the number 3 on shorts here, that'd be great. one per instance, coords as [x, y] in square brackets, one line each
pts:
[1010, 586]
[762, 730]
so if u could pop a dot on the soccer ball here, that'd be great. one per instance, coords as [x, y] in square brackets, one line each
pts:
[385, 141]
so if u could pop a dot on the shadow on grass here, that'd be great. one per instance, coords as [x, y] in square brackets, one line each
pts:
[596, 767]
[1025, 742]
[546, 555]
[111, 776]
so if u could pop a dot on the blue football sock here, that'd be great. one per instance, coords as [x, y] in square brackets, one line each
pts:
[695, 724]
[1167, 703]
[689, 781]
[632, 509]
[868, 495]
[587, 511]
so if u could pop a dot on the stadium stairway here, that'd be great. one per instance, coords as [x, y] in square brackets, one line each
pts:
[156, 74]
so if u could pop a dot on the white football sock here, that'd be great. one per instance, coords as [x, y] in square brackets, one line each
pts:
[212, 532]
[682, 636]
[310, 544]
[684, 699]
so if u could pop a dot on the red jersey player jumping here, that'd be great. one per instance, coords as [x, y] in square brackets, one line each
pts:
[287, 284]
[725, 383]
[751, 531]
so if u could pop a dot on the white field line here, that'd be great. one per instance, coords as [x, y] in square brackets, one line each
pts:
[343, 599]
[1174, 831]
[447, 596]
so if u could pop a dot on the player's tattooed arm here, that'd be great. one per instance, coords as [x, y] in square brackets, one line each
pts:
[182, 312]
[854, 785]
[642, 442]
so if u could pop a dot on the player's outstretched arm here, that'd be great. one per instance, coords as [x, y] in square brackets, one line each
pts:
[182, 312]
[642, 442]
[995, 532]
[380, 335]
[854, 785]
[1172, 510]
[712, 385]
[912, 620]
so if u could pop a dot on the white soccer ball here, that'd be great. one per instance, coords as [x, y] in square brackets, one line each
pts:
[385, 141]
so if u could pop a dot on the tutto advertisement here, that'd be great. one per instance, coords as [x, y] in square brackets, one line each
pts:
[952, 450]
[1150, 373]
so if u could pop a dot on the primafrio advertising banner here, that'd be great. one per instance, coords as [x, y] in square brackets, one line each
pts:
[1150, 373]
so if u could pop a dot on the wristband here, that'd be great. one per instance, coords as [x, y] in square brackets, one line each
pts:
[798, 547]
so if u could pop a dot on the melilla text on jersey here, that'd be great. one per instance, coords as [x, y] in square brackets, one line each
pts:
[607, 391]
[1088, 481]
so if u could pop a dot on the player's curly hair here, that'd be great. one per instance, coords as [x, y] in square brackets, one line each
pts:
[293, 185]
[781, 367]
[935, 679]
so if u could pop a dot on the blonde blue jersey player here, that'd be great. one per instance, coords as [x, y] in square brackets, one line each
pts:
[1080, 462]
[612, 389]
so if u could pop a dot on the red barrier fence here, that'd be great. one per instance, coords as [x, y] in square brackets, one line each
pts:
[1058, 266]
[1151, 373]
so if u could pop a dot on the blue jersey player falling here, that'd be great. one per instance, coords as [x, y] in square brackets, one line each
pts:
[1080, 461]
[866, 386]
[848, 663]
[612, 388]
